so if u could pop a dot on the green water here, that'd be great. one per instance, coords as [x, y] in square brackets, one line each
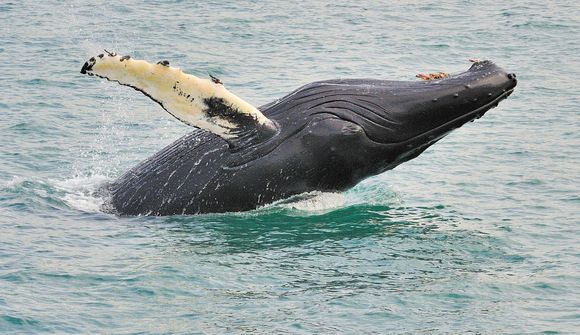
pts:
[478, 235]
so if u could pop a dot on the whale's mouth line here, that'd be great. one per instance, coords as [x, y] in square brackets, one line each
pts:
[461, 120]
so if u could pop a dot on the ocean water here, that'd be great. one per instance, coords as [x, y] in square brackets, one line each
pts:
[478, 235]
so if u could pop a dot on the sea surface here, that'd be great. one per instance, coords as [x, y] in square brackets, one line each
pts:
[478, 235]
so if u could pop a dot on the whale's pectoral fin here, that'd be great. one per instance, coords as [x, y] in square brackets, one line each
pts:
[202, 103]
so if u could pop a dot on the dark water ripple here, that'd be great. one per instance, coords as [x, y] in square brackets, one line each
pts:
[478, 235]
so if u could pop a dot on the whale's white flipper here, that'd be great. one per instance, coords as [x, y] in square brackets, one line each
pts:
[202, 103]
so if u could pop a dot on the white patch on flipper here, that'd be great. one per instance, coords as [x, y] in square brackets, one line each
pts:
[182, 95]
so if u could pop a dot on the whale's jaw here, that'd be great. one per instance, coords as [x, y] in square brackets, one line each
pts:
[413, 147]
[435, 107]
[448, 104]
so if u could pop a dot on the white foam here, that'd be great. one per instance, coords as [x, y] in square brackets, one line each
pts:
[80, 192]
[313, 202]
[14, 182]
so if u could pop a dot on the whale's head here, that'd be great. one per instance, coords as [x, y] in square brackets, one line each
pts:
[365, 127]
[422, 113]
[414, 113]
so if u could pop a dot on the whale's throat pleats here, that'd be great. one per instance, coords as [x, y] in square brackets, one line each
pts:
[202, 103]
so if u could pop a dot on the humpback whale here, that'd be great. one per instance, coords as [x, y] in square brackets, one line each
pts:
[325, 136]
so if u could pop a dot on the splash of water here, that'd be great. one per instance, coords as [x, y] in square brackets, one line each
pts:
[81, 192]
